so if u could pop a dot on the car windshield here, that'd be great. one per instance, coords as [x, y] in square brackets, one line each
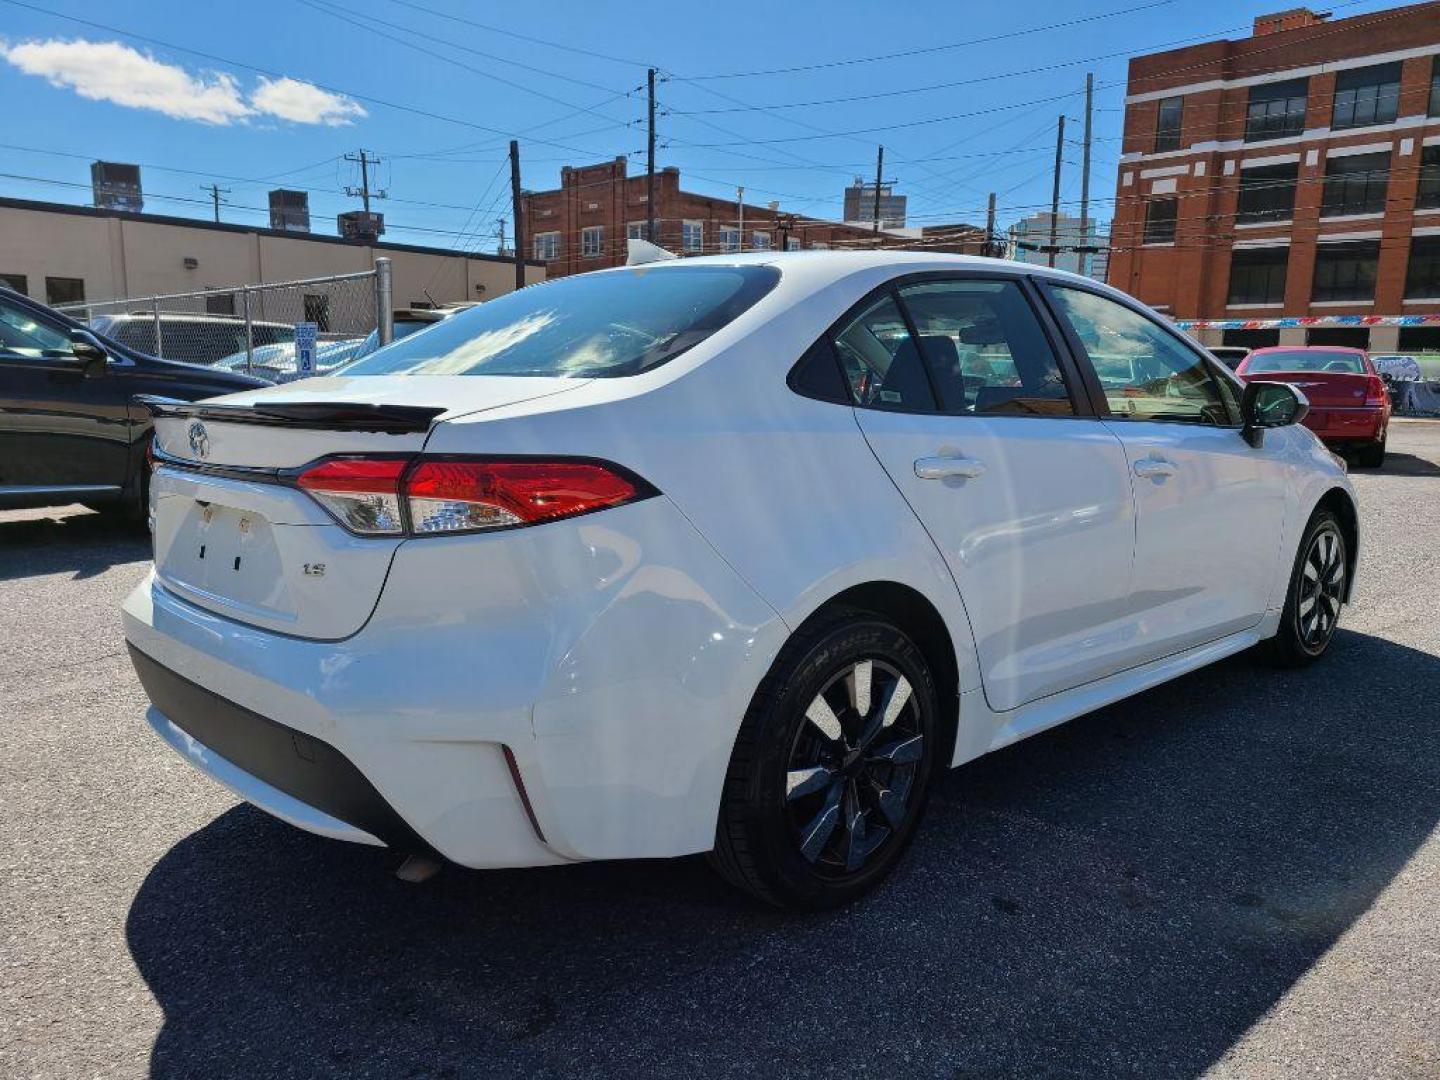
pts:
[603, 325]
[1348, 363]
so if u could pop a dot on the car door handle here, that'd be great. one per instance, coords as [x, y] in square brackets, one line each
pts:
[939, 468]
[1154, 467]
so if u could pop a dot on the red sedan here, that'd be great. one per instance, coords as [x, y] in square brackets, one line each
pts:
[1349, 406]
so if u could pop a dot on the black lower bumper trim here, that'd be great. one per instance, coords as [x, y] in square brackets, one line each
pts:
[303, 767]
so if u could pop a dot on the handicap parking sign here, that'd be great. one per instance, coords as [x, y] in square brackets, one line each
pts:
[305, 348]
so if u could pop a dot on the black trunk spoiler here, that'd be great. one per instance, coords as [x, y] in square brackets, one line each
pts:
[314, 415]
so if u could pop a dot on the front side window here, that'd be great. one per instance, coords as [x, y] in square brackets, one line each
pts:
[881, 362]
[1422, 275]
[602, 325]
[1427, 194]
[1160, 220]
[985, 349]
[64, 290]
[1276, 110]
[547, 246]
[1355, 184]
[1167, 124]
[693, 235]
[1369, 95]
[1345, 271]
[1146, 372]
[592, 241]
[1257, 275]
[22, 335]
[1267, 193]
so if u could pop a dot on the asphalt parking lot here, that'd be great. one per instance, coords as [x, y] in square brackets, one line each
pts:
[1237, 873]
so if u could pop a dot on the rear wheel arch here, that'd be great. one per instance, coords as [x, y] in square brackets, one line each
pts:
[913, 614]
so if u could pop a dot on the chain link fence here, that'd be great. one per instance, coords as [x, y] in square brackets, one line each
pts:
[254, 328]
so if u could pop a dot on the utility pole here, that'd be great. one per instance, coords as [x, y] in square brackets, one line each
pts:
[215, 191]
[500, 224]
[650, 166]
[879, 172]
[740, 207]
[1055, 195]
[1082, 256]
[519, 214]
[365, 160]
[991, 247]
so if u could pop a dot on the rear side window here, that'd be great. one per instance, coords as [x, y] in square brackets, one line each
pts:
[881, 361]
[986, 351]
[601, 325]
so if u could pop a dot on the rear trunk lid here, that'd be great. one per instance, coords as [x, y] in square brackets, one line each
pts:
[235, 536]
[1323, 389]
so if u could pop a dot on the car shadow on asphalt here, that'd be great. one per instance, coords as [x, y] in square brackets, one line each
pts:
[1124, 895]
[1404, 465]
[82, 544]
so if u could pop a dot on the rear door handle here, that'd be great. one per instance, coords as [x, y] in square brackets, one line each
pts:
[1154, 467]
[939, 468]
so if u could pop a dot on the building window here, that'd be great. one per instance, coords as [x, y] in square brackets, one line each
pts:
[547, 246]
[1267, 193]
[792, 243]
[1434, 109]
[1345, 271]
[222, 304]
[592, 241]
[1355, 184]
[1167, 124]
[760, 241]
[1160, 220]
[1257, 275]
[64, 290]
[1369, 95]
[17, 282]
[818, 246]
[1427, 195]
[729, 238]
[1422, 276]
[692, 235]
[317, 310]
[636, 230]
[1276, 110]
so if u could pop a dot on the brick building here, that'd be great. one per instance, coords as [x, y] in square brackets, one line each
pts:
[585, 223]
[1295, 172]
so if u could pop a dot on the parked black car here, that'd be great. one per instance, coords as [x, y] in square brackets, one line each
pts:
[68, 430]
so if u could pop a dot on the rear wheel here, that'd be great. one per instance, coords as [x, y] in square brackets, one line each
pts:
[1372, 455]
[832, 765]
[1317, 591]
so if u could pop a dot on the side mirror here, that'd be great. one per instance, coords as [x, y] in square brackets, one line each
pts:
[87, 349]
[1270, 405]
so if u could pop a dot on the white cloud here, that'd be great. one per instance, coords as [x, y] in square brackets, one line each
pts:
[304, 103]
[110, 71]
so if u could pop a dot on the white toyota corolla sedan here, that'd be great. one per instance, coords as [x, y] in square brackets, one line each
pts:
[722, 555]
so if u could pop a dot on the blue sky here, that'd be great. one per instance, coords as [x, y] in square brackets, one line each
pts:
[199, 93]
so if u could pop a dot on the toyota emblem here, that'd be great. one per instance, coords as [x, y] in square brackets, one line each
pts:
[199, 440]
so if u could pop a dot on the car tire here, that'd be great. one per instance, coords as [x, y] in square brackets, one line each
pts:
[1315, 595]
[828, 778]
[1372, 455]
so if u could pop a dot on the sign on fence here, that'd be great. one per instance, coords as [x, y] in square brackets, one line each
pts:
[305, 337]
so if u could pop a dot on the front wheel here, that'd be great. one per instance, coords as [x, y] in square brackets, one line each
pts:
[831, 767]
[1316, 593]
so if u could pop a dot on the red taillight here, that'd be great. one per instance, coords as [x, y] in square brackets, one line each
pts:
[452, 496]
[1375, 393]
[447, 495]
[363, 494]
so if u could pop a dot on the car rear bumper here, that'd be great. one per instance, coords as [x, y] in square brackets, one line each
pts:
[1348, 424]
[526, 698]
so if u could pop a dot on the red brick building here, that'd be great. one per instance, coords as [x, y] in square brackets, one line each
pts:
[1295, 172]
[585, 223]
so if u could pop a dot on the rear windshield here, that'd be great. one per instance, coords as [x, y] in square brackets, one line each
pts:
[1347, 363]
[603, 325]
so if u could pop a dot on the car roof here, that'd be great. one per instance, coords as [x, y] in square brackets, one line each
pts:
[1308, 348]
